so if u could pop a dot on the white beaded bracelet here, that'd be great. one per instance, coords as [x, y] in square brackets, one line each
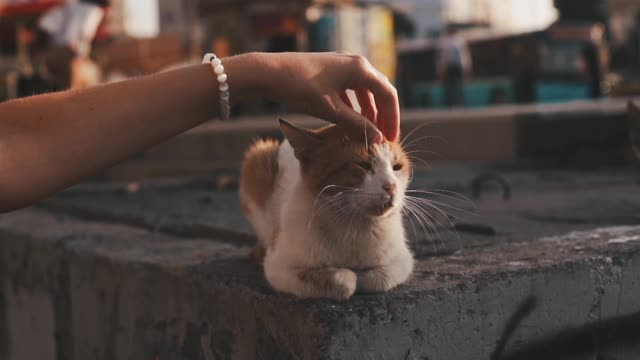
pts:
[216, 63]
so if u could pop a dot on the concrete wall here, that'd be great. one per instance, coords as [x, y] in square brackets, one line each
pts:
[565, 134]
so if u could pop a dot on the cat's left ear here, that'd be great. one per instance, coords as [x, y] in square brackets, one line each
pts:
[302, 140]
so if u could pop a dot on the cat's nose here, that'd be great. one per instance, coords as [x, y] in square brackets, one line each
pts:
[390, 188]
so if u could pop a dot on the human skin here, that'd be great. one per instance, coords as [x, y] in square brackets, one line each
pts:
[49, 142]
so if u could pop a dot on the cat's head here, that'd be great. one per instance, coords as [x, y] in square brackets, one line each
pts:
[349, 173]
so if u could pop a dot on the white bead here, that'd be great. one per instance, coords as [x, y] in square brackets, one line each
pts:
[207, 58]
[223, 87]
[222, 78]
[219, 69]
[224, 95]
[216, 62]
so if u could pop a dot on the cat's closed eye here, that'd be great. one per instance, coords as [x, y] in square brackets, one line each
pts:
[397, 167]
[364, 165]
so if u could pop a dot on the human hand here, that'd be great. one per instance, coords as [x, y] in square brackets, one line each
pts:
[316, 84]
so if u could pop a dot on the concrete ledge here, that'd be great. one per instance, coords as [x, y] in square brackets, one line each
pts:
[101, 273]
[568, 133]
[149, 296]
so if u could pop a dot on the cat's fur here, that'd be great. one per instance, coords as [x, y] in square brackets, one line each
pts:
[327, 211]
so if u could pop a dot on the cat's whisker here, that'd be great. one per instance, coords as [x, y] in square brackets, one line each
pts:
[416, 159]
[343, 211]
[416, 156]
[326, 202]
[330, 187]
[346, 213]
[452, 230]
[422, 211]
[419, 201]
[412, 132]
[464, 211]
[408, 215]
[415, 141]
[438, 191]
[432, 221]
[417, 211]
[421, 151]
[415, 147]
[352, 215]
[332, 200]
[422, 217]
[453, 195]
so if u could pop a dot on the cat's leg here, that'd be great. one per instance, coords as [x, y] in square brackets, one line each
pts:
[385, 277]
[332, 283]
[326, 282]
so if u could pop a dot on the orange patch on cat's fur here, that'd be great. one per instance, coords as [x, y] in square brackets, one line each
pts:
[259, 171]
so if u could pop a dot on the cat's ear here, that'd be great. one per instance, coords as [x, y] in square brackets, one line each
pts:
[302, 140]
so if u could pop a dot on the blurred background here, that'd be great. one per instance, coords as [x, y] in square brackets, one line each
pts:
[439, 53]
[519, 105]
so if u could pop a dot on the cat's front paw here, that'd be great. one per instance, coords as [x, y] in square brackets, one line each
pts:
[330, 283]
[345, 284]
[374, 280]
[384, 278]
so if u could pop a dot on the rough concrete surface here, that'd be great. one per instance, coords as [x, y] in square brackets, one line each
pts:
[99, 272]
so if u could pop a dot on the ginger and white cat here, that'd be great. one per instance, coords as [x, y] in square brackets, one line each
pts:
[327, 211]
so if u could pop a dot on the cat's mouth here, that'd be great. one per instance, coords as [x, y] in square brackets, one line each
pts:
[381, 209]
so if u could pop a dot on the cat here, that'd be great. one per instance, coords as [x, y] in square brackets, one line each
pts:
[327, 212]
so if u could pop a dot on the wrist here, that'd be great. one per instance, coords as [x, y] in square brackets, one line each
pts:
[247, 75]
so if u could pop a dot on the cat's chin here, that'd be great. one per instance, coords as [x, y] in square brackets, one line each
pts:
[381, 210]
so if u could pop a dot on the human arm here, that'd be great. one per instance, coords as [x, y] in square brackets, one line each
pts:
[51, 141]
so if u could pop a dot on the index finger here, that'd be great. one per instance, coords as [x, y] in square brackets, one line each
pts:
[386, 99]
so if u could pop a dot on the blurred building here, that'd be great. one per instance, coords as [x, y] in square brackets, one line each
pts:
[512, 16]
[504, 15]
[230, 27]
[623, 18]
[143, 36]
